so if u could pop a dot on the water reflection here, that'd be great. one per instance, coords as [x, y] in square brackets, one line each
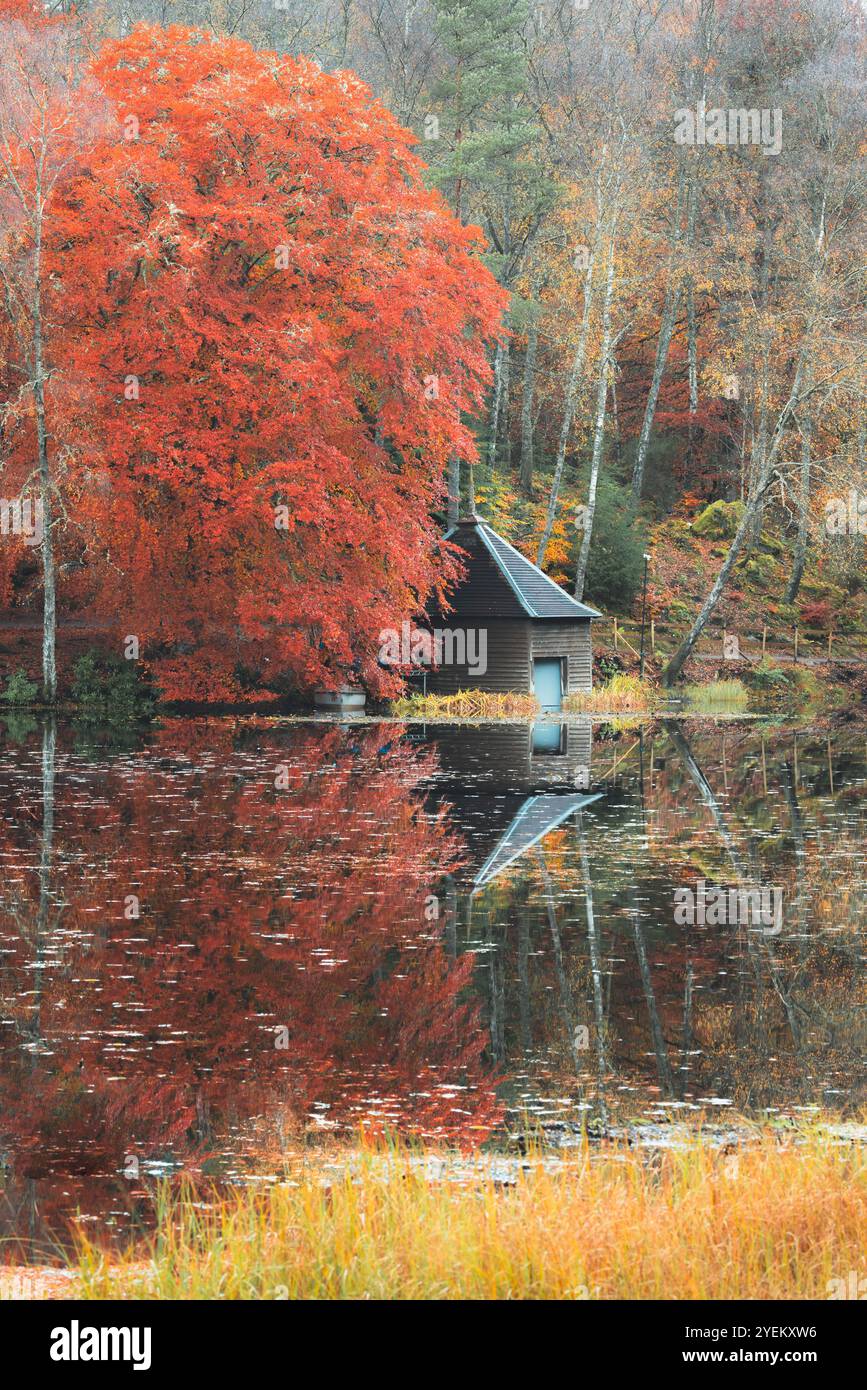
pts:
[229, 937]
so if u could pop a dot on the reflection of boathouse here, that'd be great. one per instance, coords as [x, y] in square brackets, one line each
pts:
[508, 786]
[516, 757]
[534, 819]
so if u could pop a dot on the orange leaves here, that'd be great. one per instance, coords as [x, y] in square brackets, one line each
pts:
[278, 329]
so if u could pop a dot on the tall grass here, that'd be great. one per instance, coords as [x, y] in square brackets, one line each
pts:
[766, 1222]
[468, 704]
[622, 692]
[717, 697]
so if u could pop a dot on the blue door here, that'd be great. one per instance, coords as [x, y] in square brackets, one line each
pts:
[548, 683]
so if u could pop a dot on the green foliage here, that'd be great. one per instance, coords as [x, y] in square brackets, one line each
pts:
[108, 689]
[765, 676]
[616, 565]
[487, 142]
[19, 725]
[661, 487]
[609, 667]
[679, 613]
[19, 690]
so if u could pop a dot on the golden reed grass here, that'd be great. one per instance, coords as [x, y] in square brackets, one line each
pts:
[767, 1221]
[623, 692]
[468, 704]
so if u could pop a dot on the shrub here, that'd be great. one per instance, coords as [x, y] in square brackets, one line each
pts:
[107, 688]
[768, 677]
[816, 613]
[609, 667]
[616, 563]
[19, 690]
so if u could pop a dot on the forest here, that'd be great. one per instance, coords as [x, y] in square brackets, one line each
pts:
[433, 664]
[289, 286]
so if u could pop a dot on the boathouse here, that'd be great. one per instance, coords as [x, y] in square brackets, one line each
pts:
[536, 637]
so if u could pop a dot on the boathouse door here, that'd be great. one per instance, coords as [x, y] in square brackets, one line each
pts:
[548, 683]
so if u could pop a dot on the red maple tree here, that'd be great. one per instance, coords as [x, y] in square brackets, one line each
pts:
[264, 335]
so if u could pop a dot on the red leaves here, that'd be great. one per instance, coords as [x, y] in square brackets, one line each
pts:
[252, 288]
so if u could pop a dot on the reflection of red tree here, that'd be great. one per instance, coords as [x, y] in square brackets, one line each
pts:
[300, 909]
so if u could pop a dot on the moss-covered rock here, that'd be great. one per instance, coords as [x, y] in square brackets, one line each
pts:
[771, 544]
[760, 570]
[719, 521]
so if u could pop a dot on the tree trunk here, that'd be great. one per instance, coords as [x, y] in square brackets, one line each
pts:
[49, 583]
[454, 490]
[575, 373]
[663, 343]
[692, 370]
[526, 467]
[496, 404]
[599, 429]
[754, 503]
[800, 557]
[505, 450]
[757, 463]
[684, 651]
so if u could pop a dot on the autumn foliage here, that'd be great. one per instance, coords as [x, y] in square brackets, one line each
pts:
[263, 333]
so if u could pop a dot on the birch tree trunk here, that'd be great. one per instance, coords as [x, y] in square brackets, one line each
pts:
[599, 428]
[692, 369]
[525, 476]
[454, 490]
[575, 374]
[49, 581]
[800, 556]
[751, 511]
[505, 451]
[496, 403]
[663, 343]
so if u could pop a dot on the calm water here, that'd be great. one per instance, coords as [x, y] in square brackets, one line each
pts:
[221, 938]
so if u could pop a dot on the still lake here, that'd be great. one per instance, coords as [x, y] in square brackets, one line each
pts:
[222, 938]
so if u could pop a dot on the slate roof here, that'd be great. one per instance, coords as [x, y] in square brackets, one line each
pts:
[529, 593]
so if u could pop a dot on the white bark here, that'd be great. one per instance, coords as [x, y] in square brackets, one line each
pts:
[599, 428]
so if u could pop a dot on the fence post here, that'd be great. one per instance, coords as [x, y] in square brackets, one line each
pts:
[615, 634]
[764, 641]
[796, 642]
[652, 635]
[830, 635]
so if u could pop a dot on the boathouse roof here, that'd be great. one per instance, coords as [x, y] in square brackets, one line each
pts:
[501, 582]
